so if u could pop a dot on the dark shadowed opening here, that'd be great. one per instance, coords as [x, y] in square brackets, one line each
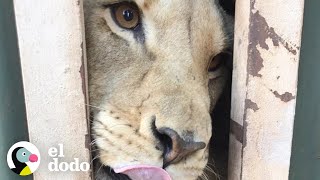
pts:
[219, 144]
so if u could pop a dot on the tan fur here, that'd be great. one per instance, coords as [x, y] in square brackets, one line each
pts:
[165, 76]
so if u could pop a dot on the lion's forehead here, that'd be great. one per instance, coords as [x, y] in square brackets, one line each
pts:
[191, 25]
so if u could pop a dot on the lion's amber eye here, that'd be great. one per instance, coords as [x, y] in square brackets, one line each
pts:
[126, 15]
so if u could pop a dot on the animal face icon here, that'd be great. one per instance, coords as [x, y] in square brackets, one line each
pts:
[23, 155]
[23, 158]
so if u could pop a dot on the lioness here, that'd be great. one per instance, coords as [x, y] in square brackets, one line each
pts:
[153, 81]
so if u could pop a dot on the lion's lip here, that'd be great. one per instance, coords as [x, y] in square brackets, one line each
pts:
[144, 172]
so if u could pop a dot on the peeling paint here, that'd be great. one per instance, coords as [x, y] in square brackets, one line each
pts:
[270, 52]
[82, 71]
[286, 97]
[251, 105]
[259, 32]
[257, 36]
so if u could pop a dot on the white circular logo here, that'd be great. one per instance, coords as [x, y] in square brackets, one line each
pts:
[23, 158]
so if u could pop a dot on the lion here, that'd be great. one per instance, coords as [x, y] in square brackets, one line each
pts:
[154, 78]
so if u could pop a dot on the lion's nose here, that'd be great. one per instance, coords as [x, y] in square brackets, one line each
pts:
[174, 147]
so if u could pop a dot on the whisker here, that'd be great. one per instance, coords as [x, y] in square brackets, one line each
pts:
[213, 172]
[100, 168]
[110, 128]
[96, 157]
[93, 142]
[94, 150]
[204, 176]
[97, 107]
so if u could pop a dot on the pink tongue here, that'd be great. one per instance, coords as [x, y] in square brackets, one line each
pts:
[141, 172]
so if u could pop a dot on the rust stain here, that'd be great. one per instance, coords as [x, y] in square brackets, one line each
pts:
[286, 97]
[259, 32]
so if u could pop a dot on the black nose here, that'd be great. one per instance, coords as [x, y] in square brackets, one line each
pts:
[174, 147]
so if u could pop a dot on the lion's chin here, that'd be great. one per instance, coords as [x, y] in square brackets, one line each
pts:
[145, 172]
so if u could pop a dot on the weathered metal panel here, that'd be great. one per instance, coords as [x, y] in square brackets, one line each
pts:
[51, 42]
[305, 158]
[266, 56]
[13, 125]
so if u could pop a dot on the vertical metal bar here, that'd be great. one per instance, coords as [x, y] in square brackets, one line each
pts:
[51, 42]
[267, 47]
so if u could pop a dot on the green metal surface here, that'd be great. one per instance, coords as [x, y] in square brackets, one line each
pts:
[13, 124]
[305, 159]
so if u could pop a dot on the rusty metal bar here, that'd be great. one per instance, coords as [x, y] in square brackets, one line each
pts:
[266, 57]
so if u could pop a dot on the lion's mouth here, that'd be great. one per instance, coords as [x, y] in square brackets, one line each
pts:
[144, 172]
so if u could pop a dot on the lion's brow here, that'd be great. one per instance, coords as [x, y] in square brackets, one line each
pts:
[141, 2]
[106, 2]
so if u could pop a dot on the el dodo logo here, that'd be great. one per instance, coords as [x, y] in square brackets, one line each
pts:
[23, 158]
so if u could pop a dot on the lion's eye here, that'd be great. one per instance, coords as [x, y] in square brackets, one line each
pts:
[126, 15]
[215, 62]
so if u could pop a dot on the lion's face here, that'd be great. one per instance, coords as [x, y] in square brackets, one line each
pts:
[152, 82]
